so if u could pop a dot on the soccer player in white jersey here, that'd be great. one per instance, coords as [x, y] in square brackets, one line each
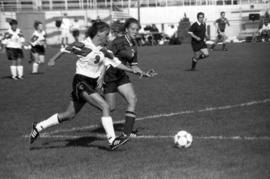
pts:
[13, 41]
[85, 82]
[38, 42]
[65, 30]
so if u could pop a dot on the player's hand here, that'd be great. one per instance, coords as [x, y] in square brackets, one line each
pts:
[151, 73]
[100, 82]
[198, 38]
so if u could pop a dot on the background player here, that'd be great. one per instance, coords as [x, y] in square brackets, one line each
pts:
[88, 70]
[220, 25]
[13, 40]
[198, 35]
[65, 30]
[116, 80]
[38, 42]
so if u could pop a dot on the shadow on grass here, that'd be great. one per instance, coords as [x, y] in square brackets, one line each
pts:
[6, 77]
[78, 142]
[117, 127]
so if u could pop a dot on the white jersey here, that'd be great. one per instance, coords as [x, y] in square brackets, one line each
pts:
[65, 24]
[92, 65]
[38, 38]
[13, 39]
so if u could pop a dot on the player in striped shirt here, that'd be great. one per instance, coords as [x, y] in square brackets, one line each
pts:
[13, 41]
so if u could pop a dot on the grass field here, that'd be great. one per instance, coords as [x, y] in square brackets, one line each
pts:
[225, 105]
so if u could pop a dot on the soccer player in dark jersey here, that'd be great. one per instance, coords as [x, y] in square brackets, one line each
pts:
[220, 24]
[198, 35]
[116, 80]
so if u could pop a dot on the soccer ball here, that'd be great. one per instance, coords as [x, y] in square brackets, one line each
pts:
[183, 139]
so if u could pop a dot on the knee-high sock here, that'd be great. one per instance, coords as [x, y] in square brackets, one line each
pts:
[20, 71]
[51, 121]
[35, 67]
[108, 127]
[13, 71]
[194, 62]
[130, 120]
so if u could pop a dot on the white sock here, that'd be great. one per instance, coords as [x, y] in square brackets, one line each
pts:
[20, 71]
[51, 121]
[13, 70]
[35, 67]
[108, 127]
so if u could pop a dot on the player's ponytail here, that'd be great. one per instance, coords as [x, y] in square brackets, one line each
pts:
[98, 26]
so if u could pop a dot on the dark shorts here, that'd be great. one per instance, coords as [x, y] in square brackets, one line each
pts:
[82, 84]
[113, 79]
[14, 53]
[75, 33]
[39, 49]
[197, 46]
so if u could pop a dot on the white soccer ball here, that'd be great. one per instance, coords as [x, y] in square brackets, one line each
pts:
[183, 139]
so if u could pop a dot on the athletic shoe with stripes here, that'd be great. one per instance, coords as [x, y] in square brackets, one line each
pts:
[118, 141]
[34, 133]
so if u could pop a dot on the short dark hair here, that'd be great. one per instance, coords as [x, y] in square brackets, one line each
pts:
[13, 22]
[130, 21]
[222, 12]
[36, 24]
[97, 26]
[200, 13]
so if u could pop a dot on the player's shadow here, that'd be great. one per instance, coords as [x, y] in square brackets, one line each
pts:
[6, 77]
[86, 141]
[100, 130]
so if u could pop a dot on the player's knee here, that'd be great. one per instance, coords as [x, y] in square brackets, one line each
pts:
[112, 108]
[67, 115]
[105, 106]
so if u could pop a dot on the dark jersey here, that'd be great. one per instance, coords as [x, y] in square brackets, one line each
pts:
[222, 24]
[125, 50]
[198, 30]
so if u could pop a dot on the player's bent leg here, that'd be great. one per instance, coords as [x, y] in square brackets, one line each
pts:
[35, 63]
[195, 59]
[55, 119]
[204, 53]
[127, 91]
[41, 59]
[111, 100]
[106, 119]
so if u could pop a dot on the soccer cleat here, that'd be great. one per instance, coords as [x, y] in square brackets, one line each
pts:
[134, 133]
[34, 133]
[118, 141]
[14, 78]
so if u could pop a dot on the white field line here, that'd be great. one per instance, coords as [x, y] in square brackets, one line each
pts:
[164, 137]
[207, 109]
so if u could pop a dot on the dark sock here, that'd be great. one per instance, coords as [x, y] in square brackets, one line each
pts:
[194, 62]
[130, 120]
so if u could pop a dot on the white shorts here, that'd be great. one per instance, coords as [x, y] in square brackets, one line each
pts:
[65, 33]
